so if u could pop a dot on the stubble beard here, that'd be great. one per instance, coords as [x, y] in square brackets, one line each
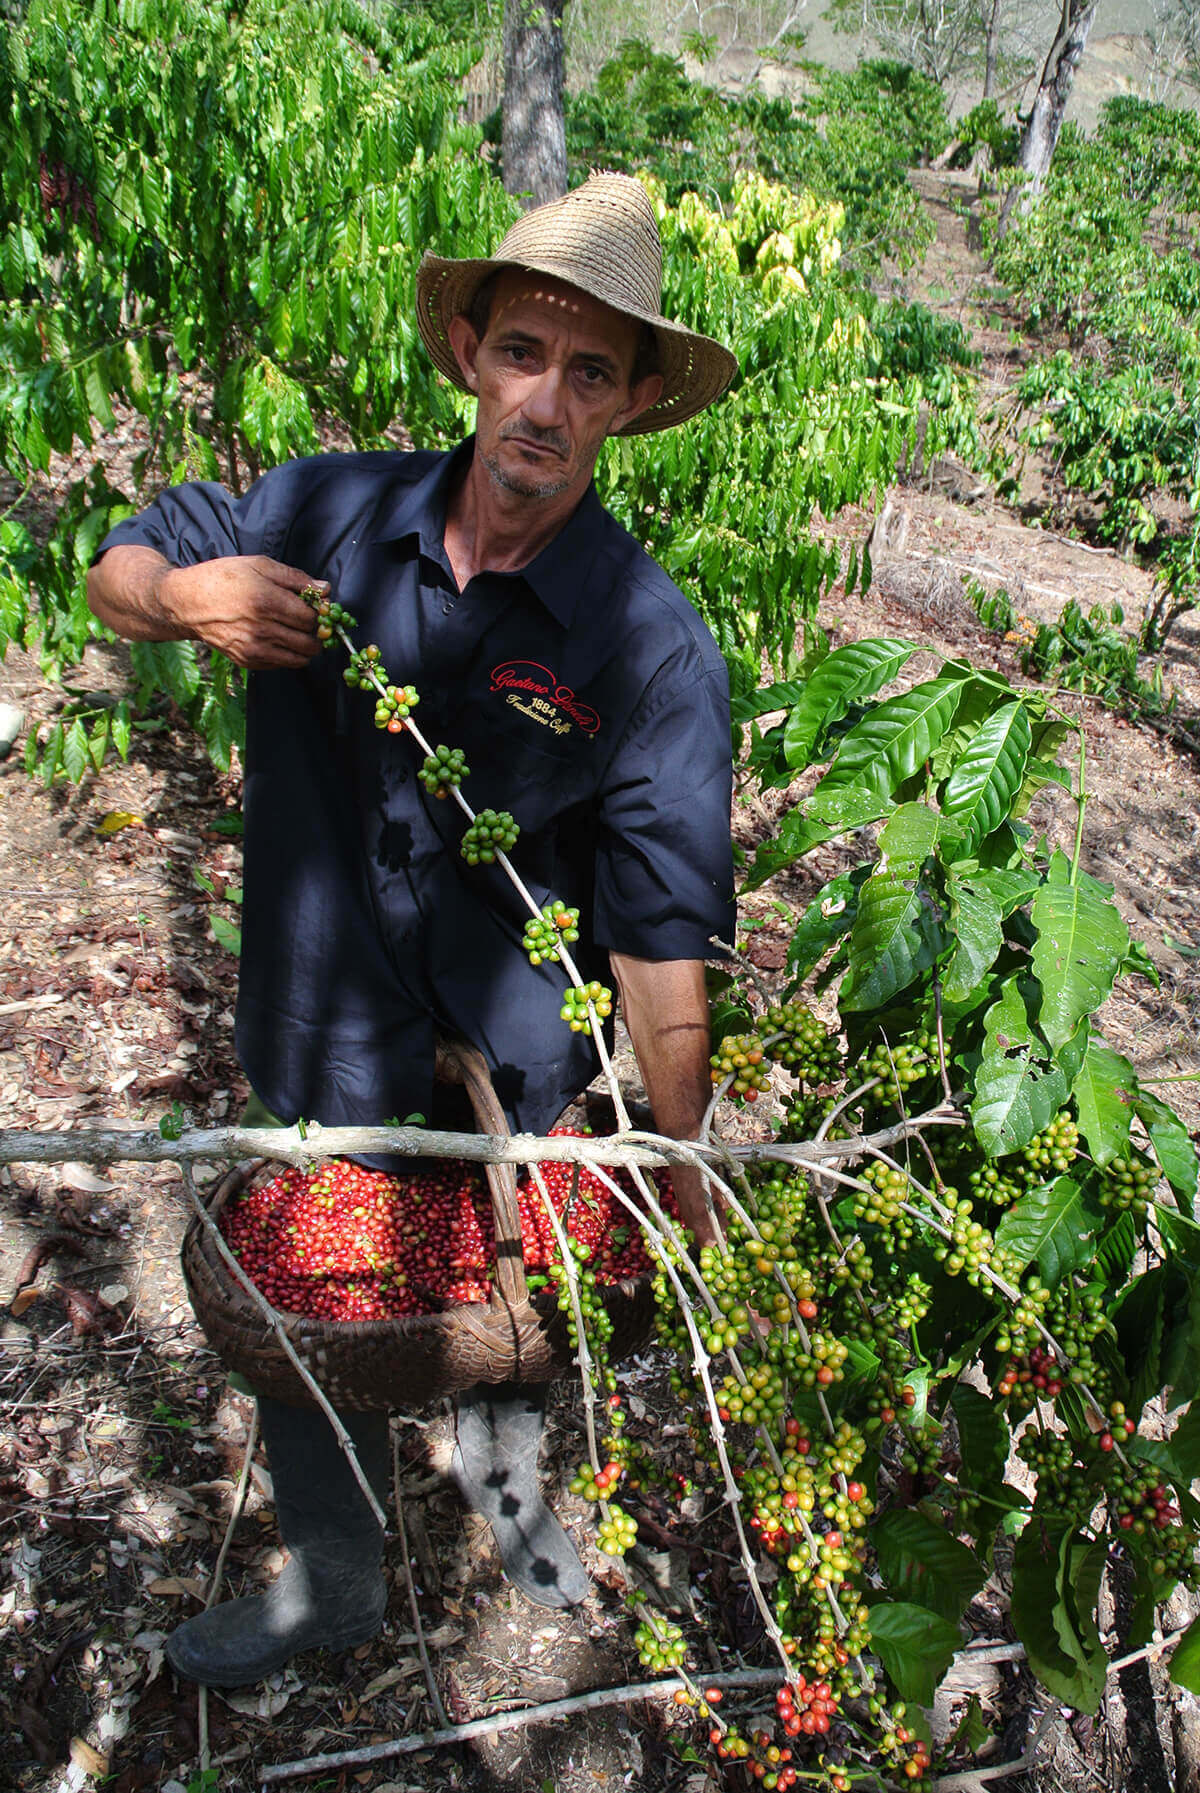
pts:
[529, 485]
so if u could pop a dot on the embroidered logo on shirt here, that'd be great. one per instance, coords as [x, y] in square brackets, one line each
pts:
[534, 690]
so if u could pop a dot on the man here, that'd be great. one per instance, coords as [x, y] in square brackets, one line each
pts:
[589, 700]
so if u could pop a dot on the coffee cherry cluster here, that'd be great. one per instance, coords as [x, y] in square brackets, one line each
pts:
[897, 1067]
[556, 926]
[493, 831]
[394, 705]
[443, 770]
[971, 1246]
[595, 1485]
[330, 615]
[617, 1533]
[1128, 1183]
[741, 1056]
[807, 1048]
[575, 1003]
[1054, 1148]
[660, 1645]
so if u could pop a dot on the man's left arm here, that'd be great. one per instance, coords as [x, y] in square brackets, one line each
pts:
[666, 1011]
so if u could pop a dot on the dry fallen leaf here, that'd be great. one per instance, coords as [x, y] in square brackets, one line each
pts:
[116, 819]
[88, 1759]
[177, 1584]
[22, 1299]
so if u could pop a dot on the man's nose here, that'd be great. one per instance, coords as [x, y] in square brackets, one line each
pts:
[544, 399]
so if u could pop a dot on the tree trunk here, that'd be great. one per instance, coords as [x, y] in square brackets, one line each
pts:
[1050, 102]
[534, 141]
[991, 54]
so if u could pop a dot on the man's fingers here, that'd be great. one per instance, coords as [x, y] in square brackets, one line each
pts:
[293, 577]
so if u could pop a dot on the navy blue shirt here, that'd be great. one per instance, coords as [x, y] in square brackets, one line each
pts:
[589, 699]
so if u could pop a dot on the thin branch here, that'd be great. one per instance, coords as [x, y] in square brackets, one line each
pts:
[435, 1698]
[510, 1721]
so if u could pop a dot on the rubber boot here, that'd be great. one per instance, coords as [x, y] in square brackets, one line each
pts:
[495, 1465]
[331, 1591]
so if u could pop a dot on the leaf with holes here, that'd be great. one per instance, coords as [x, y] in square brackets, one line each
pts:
[977, 933]
[1018, 1085]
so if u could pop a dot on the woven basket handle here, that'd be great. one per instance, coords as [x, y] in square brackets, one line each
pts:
[460, 1062]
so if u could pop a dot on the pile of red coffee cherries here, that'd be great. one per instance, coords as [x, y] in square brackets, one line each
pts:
[345, 1243]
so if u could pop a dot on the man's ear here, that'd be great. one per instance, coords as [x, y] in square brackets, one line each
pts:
[641, 397]
[465, 344]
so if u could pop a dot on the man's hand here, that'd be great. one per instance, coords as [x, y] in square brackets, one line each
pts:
[665, 1007]
[246, 605]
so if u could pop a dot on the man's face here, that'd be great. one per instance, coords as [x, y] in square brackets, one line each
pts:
[552, 378]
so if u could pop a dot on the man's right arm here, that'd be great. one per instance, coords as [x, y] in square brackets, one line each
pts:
[248, 606]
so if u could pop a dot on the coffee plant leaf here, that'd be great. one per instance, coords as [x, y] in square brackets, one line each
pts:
[977, 933]
[1185, 1660]
[1019, 1085]
[1184, 1443]
[922, 1563]
[895, 738]
[1054, 1226]
[827, 918]
[1058, 1655]
[983, 1436]
[779, 696]
[1118, 1248]
[989, 772]
[797, 836]
[1010, 887]
[1173, 1147]
[850, 673]
[1139, 1316]
[889, 940]
[847, 806]
[1104, 1098]
[1081, 940]
[915, 1646]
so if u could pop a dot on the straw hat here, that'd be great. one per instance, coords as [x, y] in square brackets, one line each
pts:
[603, 238]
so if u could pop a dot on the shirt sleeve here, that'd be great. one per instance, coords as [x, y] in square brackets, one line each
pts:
[664, 862]
[202, 521]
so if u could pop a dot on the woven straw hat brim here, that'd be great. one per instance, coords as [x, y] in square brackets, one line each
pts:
[695, 369]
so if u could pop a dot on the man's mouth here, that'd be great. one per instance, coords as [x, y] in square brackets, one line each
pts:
[534, 444]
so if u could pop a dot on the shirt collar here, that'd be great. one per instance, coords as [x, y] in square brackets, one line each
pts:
[557, 576]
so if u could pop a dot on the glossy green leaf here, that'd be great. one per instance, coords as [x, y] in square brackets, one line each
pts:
[1018, 1086]
[923, 1563]
[989, 772]
[1054, 1226]
[1104, 1096]
[1185, 1660]
[890, 936]
[977, 932]
[895, 738]
[828, 916]
[1060, 1652]
[915, 1647]
[1173, 1147]
[1081, 938]
[850, 673]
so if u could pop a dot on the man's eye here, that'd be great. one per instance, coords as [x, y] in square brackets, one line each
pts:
[594, 376]
[517, 351]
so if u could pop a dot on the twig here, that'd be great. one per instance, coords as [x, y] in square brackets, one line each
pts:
[509, 1721]
[235, 1513]
[435, 1698]
[276, 1322]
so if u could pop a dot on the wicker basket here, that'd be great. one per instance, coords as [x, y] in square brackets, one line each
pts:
[372, 1364]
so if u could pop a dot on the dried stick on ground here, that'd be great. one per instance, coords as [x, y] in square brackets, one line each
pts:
[508, 1721]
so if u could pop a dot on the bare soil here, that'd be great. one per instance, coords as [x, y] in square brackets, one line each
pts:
[121, 1440]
